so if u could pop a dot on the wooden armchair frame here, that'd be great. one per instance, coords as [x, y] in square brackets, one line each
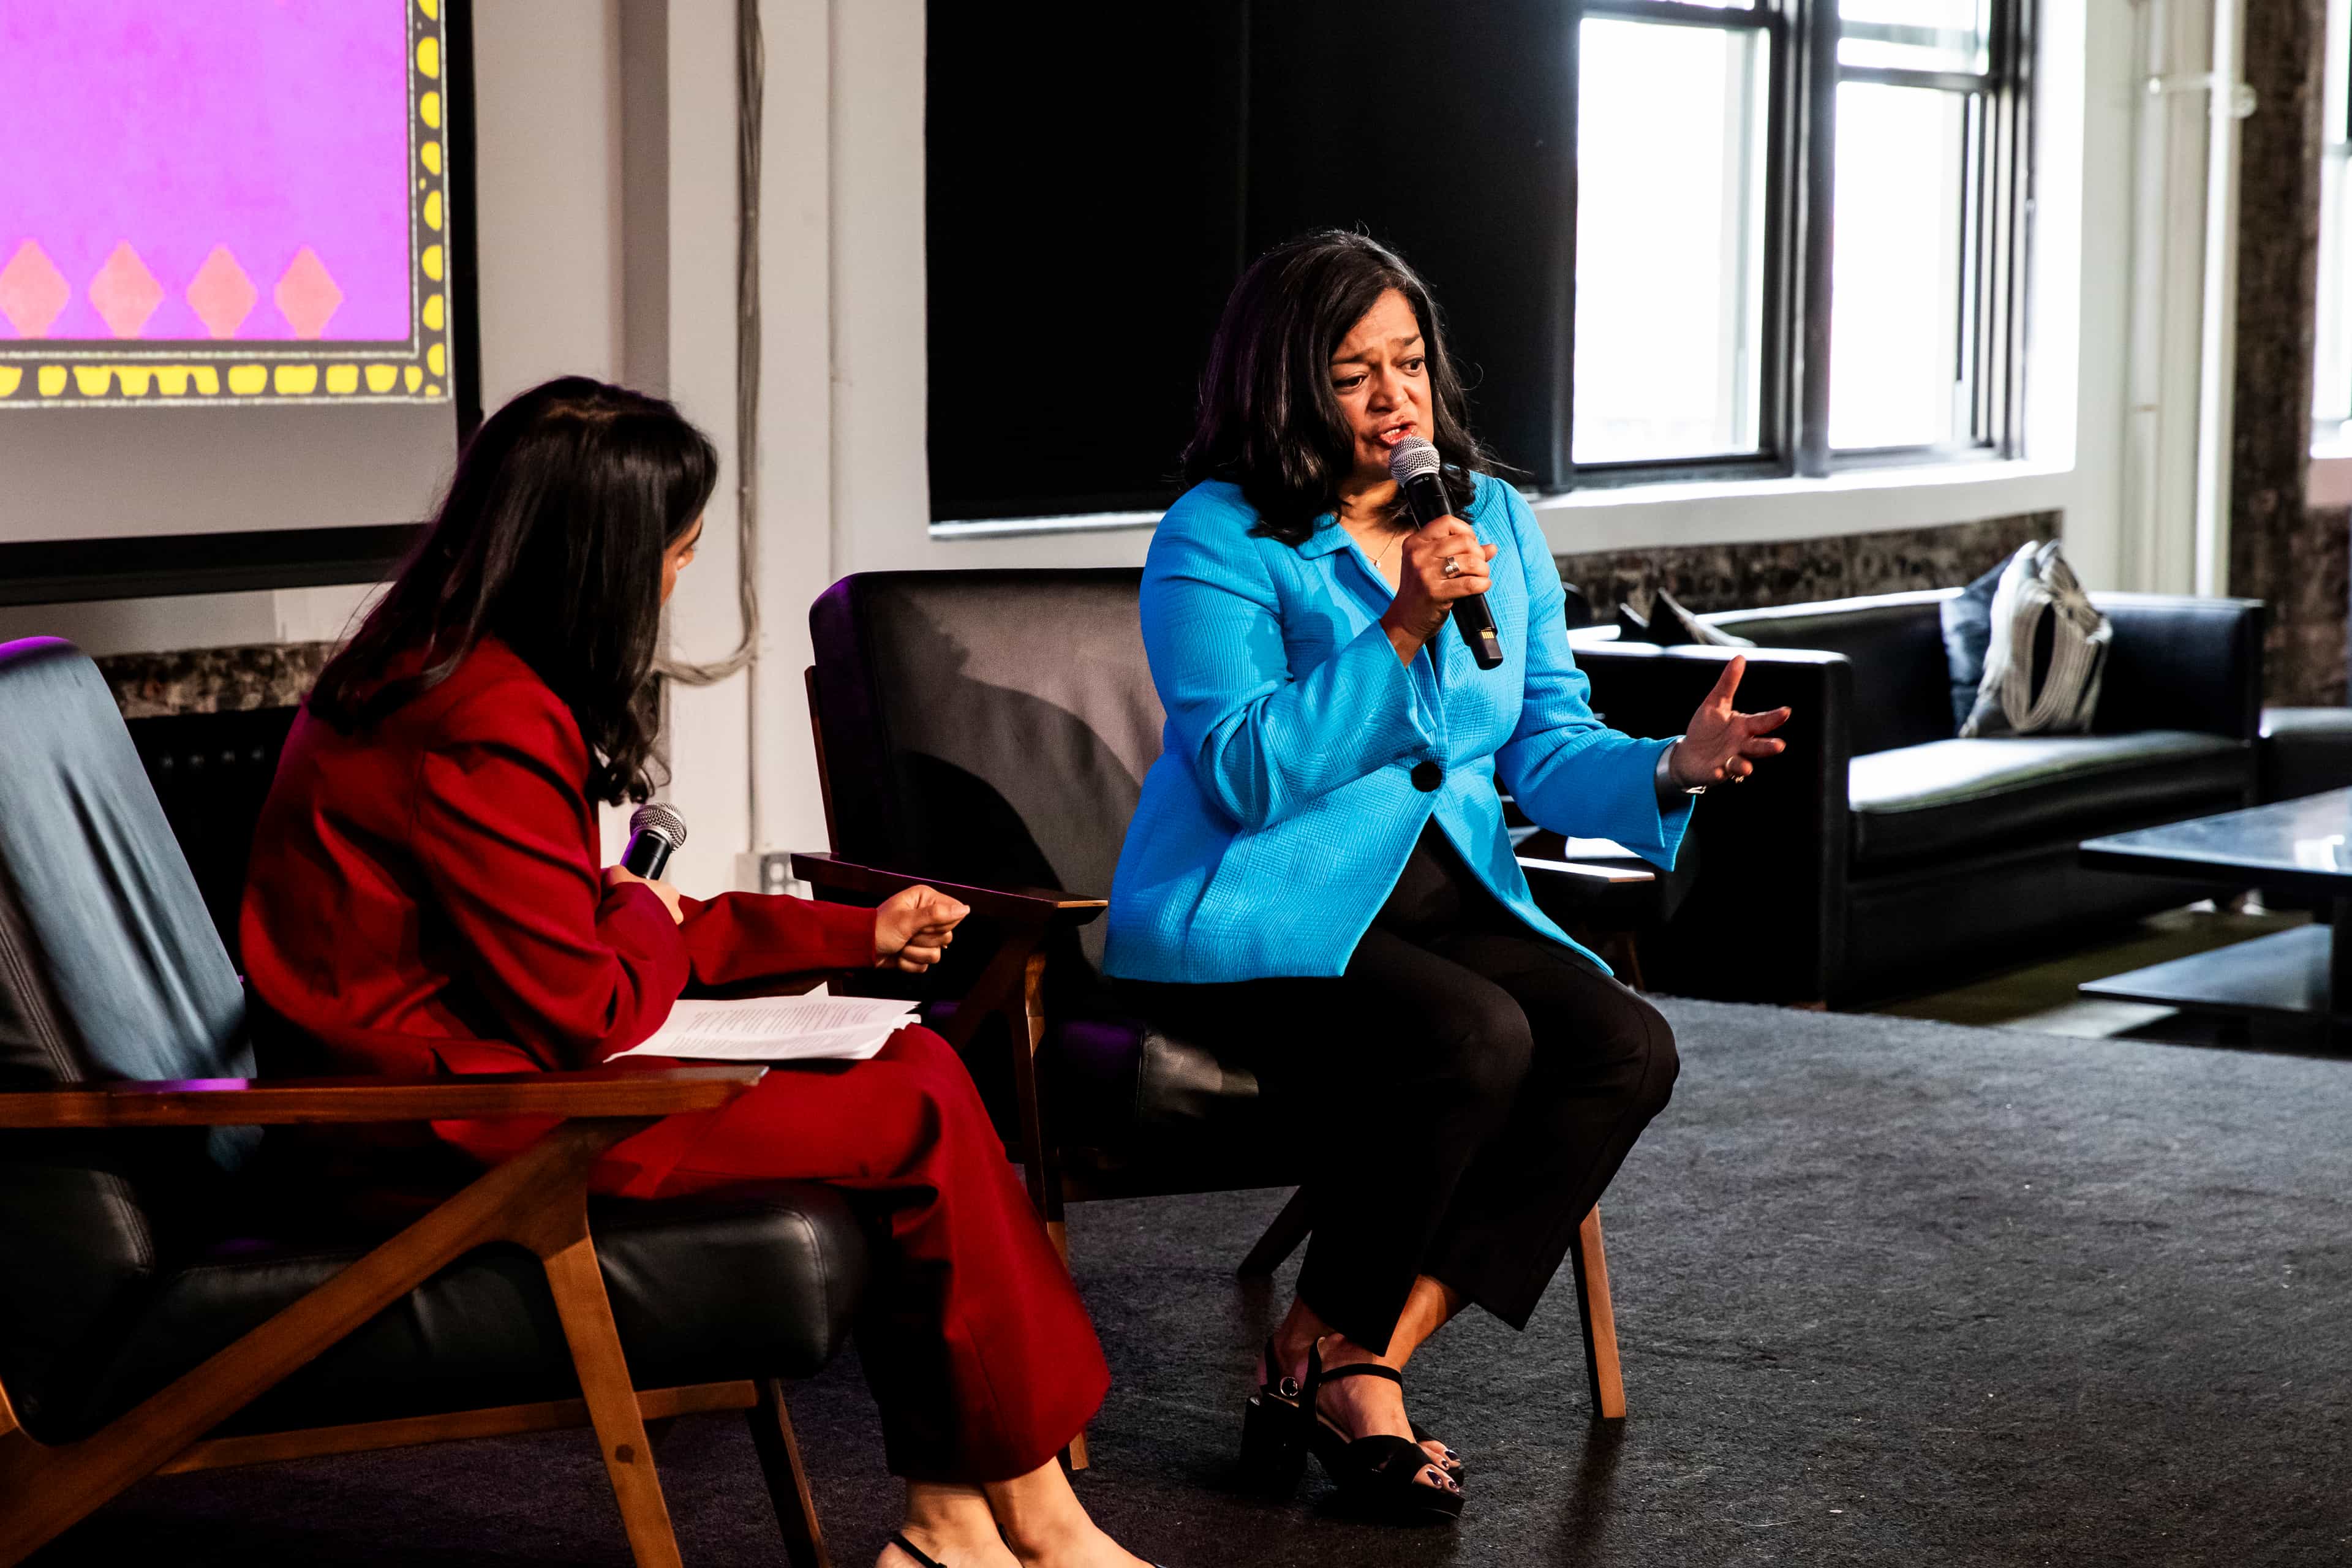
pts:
[538, 1200]
[1013, 988]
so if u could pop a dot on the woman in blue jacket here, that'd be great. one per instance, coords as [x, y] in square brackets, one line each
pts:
[1318, 872]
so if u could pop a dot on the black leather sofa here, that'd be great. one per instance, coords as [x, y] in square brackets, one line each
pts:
[1881, 853]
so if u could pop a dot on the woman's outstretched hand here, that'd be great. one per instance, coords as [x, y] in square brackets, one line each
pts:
[1722, 745]
[913, 927]
[1425, 593]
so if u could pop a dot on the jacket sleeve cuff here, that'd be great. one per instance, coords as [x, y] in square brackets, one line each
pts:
[753, 936]
[1673, 806]
[1412, 721]
[847, 935]
[632, 920]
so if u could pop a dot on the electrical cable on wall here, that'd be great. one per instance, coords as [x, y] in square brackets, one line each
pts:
[750, 88]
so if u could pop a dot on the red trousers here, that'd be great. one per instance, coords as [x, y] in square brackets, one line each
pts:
[973, 1339]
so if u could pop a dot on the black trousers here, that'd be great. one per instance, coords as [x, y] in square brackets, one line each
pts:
[1465, 1090]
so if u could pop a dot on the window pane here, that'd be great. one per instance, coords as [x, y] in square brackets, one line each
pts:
[2331, 360]
[1916, 35]
[1669, 241]
[2331, 403]
[1896, 372]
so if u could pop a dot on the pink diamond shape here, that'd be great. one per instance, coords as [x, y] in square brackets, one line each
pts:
[125, 292]
[307, 296]
[220, 293]
[32, 291]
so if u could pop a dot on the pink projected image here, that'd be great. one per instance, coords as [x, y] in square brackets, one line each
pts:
[234, 199]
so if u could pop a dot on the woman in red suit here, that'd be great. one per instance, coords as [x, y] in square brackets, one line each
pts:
[424, 898]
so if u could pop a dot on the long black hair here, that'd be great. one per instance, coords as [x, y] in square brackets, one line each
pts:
[550, 539]
[1270, 421]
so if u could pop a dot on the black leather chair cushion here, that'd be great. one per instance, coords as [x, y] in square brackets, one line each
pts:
[211, 773]
[1948, 797]
[760, 1282]
[1901, 681]
[2305, 751]
[1013, 717]
[1113, 1080]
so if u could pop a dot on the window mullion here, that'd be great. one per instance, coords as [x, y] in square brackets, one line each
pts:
[1817, 73]
[2013, 105]
[1784, 263]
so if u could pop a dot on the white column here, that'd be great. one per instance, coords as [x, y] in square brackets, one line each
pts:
[2175, 515]
[707, 728]
[797, 554]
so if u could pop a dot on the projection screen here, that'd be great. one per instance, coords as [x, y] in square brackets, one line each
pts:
[230, 291]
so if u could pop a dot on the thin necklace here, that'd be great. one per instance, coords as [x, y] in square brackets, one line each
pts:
[1391, 544]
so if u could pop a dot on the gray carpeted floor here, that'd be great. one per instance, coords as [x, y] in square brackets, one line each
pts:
[1890, 1292]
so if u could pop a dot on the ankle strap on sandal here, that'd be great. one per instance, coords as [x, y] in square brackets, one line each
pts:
[923, 1559]
[1363, 1369]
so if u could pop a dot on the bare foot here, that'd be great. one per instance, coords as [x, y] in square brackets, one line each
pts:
[1047, 1527]
[1083, 1547]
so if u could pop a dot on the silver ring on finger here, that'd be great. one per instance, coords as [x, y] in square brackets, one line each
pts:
[1454, 566]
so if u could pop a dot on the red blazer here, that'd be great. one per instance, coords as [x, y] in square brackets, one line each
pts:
[427, 898]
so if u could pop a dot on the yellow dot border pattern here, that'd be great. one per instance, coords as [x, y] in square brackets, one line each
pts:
[38, 373]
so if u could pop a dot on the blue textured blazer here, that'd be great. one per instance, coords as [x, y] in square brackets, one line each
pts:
[1282, 806]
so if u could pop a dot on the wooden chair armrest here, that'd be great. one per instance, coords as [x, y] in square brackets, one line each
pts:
[1031, 906]
[244, 1102]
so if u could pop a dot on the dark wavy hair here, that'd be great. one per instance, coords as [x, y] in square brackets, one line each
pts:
[550, 539]
[1270, 421]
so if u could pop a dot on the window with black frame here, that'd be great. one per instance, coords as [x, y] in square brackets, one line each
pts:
[1791, 236]
[1753, 180]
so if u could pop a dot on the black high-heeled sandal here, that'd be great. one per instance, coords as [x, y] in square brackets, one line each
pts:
[1274, 1434]
[1381, 1475]
[1274, 1456]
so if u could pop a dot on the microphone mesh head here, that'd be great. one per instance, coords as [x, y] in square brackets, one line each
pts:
[657, 818]
[1410, 458]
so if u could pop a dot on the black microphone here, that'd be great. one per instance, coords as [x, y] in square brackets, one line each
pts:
[654, 832]
[1414, 465]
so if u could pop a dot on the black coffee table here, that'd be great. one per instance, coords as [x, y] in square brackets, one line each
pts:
[2301, 847]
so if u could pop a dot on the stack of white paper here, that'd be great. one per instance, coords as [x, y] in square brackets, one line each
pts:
[778, 1029]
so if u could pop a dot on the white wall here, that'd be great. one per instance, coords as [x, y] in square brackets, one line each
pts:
[548, 190]
[708, 729]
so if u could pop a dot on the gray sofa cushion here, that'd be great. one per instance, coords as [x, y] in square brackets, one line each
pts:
[1948, 797]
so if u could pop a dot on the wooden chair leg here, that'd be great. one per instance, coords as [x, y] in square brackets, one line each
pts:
[569, 1256]
[1633, 976]
[1025, 1019]
[788, 1482]
[1599, 1319]
[1280, 1240]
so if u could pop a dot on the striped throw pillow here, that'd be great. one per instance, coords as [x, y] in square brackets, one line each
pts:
[2048, 653]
